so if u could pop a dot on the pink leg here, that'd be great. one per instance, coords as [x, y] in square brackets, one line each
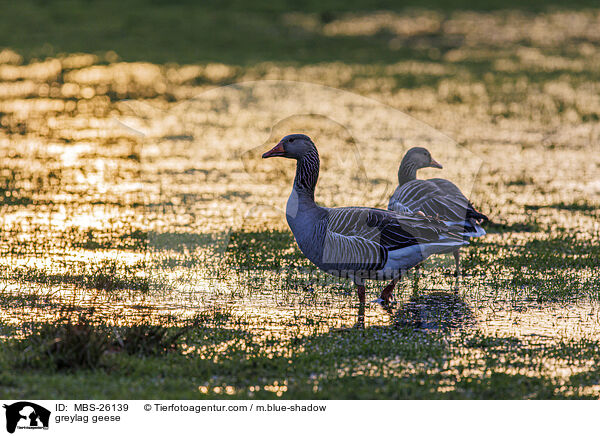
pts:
[388, 292]
[360, 322]
[361, 294]
[457, 272]
[457, 261]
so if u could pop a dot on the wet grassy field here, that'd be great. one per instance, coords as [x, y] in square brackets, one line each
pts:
[144, 249]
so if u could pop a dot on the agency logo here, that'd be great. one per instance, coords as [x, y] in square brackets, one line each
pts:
[26, 415]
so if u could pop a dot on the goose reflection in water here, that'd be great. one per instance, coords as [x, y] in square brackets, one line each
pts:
[435, 311]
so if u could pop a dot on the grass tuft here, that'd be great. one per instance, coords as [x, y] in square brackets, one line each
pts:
[148, 338]
[70, 343]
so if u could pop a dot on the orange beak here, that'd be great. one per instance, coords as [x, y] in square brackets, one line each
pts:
[434, 164]
[275, 151]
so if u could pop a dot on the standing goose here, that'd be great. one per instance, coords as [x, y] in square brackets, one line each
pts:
[356, 242]
[434, 197]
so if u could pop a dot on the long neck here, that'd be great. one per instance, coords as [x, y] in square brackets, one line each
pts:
[307, 173]
[407, 171]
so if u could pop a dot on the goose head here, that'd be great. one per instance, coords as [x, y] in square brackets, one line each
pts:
[419, 157]
[294, 146]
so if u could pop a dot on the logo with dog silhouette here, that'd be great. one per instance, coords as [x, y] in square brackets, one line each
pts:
[26, 415]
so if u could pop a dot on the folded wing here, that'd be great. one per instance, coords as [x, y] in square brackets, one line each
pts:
[441, 199]
[364, 239]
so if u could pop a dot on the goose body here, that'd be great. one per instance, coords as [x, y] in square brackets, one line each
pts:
[357, 242]
[434, 197]
[366, 243]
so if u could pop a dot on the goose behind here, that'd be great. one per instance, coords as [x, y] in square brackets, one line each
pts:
[434, 197]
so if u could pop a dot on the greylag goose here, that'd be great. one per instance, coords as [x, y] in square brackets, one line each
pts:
[356, 242]
[439, 198]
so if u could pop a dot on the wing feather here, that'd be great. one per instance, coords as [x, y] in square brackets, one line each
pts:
[360, 239]
[435, 197]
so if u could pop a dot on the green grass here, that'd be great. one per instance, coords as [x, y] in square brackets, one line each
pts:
[582, 206]
[353, 364]
[233, 32]
[106, 277]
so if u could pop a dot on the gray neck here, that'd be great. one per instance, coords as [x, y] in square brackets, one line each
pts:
[307, 173]
[407, 171]
[304, 217]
